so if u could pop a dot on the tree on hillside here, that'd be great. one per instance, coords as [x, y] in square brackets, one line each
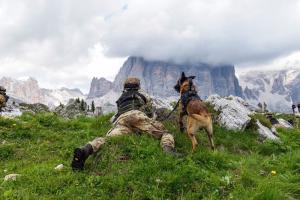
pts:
[93, 106]
[82, 105]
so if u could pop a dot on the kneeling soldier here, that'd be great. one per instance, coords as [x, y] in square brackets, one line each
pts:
[134, 112]
[3, 98]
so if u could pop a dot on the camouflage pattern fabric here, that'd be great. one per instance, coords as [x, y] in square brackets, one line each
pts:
[148, 108]
[136, 122]
[2, 101]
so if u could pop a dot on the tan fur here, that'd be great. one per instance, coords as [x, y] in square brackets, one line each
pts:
[198, 117]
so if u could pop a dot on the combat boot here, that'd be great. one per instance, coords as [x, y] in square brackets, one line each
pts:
[171, 151]
[80, 156]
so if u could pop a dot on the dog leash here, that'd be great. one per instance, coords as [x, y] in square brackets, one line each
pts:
[177, 104]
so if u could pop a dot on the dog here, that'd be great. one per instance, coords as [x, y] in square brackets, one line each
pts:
[197, 113]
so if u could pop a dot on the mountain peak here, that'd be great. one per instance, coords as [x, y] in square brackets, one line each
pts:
[159, 77]
[27, 90]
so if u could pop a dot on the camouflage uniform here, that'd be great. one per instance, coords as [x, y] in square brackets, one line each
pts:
[136, 121]
[3, 97]
[134, 116]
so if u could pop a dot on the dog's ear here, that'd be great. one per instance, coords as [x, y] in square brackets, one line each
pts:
[192, 77]
[183, 75]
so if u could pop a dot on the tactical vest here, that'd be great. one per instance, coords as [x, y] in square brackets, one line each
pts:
[130, 100]
[188, 96]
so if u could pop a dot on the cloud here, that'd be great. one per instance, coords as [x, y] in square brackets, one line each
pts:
[53, 33]
[67, 42]
[226, 31]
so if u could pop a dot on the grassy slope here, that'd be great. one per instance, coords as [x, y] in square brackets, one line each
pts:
[136, 168]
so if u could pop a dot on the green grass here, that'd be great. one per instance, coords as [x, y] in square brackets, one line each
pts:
[263, 119]
[135, 167]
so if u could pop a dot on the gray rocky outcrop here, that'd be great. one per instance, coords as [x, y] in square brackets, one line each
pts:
[15, 108]
[234, 111]
[72, 109]
[99, 87]
[265, 132]
[284, 123]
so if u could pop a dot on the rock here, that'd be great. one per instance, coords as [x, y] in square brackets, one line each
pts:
[266, 132]
[99, 87]
[71, 110]
[15, 108]
[284, 123]
[11, 177]
[11, 109]
[234, 113]
[59, 167]
[29, 91]
[277, 88]
[159, 77]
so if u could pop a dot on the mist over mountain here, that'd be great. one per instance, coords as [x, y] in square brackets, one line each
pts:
[159, 77]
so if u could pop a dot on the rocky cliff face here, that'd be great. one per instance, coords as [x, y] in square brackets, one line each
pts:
[158, 78]
[28, 91]
[99, 87]
[278, 89]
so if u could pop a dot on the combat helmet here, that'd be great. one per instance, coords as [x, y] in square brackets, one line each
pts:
[132, 83]
[2, 89]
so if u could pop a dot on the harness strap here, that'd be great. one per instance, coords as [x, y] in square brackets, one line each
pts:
[177, 104]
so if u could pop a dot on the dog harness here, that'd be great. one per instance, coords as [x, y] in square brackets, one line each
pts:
[188, 96]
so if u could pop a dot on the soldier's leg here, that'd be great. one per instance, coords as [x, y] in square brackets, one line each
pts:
[144, 124]
[115, 131]
[81, 154]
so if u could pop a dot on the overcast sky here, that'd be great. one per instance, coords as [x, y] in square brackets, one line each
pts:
[67, 42]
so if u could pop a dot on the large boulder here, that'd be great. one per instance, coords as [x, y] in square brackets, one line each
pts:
[265, 132]
[234, 111]
[284, 123]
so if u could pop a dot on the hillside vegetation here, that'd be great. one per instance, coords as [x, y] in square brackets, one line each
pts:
[135, 167]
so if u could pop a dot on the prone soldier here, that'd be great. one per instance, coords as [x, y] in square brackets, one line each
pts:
[134, 116]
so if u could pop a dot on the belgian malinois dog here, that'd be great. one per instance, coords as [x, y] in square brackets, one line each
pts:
[197, 113]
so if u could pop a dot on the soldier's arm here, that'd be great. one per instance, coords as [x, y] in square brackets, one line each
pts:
[149, 107]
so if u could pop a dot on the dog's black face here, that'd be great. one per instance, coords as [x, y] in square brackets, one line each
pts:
[182, 79]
